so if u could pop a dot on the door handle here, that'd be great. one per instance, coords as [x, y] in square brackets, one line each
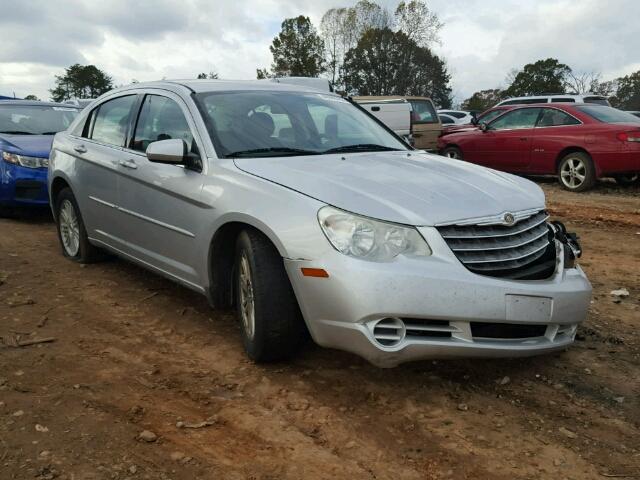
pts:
[524, 139]
[129, 164]
[80, 148]
[417, 135]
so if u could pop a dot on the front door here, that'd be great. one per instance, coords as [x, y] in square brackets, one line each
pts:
[506, 144]
[162, 201]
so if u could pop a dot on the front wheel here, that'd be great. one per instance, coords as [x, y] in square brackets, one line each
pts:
[576, 172]
[452, 152]
[271, 322]
[71, 230]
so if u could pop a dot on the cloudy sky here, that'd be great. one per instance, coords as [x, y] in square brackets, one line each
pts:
[147, 40]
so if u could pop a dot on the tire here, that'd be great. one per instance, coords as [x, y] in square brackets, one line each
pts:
[276, 329]
[628, 179]
[71, 230]
[452, 152]
[576, 172]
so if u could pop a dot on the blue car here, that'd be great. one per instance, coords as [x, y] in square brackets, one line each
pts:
[26, 133]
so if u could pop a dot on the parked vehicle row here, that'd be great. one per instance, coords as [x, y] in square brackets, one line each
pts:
[577, 142]
[305, 213]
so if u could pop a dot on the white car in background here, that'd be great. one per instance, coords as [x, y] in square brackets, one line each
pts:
[557, 98]
[460, 117]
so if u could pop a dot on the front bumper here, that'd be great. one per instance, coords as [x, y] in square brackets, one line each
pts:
[23, 186]
[451, 307]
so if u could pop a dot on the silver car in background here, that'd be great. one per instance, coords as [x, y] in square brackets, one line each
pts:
[303, 212]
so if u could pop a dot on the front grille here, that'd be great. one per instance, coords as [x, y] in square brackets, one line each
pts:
[29, 189]
[520, 251]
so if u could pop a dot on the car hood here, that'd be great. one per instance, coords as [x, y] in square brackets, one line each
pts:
[420, 189]
[30, 145]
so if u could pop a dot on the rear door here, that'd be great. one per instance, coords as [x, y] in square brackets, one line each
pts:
[162, 201]
[506, 144]
[555, 130]
[425, 124]
[97, 153]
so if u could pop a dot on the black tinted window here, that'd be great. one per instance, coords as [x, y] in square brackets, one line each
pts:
[553, 118]
[160, 119]
[446, 120]
[112, 119]
[597, 101]
[563, 100]
[607, 114]
[525, 101]
[521, 118]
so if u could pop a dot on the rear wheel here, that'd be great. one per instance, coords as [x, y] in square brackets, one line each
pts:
[71, 230]
[576, 172]
[452, 152]
[627, 179]
[270, 319]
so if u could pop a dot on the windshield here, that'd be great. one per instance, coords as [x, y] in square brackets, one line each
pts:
[35, 119]
[608, 114]
[273, 124]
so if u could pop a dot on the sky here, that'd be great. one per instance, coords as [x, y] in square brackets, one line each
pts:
[481, 41]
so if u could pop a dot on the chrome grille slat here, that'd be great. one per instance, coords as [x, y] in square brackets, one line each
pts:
[492, 231]
[499, 249]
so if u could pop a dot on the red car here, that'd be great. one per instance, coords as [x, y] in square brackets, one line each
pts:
[577, 142]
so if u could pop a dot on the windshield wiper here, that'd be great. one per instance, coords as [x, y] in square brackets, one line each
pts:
[275, 150]
[17, 132]
[47, 133]
[362, 147]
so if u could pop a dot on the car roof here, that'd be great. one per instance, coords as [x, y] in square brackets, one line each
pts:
[36, 103]
[206, 85]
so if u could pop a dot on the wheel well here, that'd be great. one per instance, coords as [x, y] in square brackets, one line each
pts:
[221, 263]
[56, 187]
[567, 151]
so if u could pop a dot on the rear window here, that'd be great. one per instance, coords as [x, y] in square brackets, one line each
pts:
[597, 101]
[608, 114]
[423, 112]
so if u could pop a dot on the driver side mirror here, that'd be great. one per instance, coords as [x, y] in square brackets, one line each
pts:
[173, 151]
[483, 126]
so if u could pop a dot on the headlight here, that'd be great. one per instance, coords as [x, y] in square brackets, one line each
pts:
[362, 237]
[24, 161]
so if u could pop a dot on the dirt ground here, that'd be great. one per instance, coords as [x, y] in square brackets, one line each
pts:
[134, 352]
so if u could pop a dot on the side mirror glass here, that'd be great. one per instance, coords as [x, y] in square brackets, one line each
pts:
[483, 126]
[173, 151]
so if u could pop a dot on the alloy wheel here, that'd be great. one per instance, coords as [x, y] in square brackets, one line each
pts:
[247, 304]
[69, 228]
[573, 172]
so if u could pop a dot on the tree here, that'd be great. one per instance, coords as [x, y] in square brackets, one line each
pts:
[338, 33]
[211, 76]
[418, 22]
[627, 95]
[577, 83]
[81, 81]
[543, 76]
[483, 100]
[31, 97]
[298, 50]
[385, 62]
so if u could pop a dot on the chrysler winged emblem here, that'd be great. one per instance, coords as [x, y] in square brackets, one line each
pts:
[509, 219]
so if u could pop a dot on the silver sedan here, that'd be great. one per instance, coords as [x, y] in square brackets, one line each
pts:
[305, 213]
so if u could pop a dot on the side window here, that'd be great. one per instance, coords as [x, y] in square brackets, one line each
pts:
[487, 117]
[423, 112]
[553, 118]
[446, 120]
[111, 120]
[516, 119]
[563, 100]
[161, 119]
